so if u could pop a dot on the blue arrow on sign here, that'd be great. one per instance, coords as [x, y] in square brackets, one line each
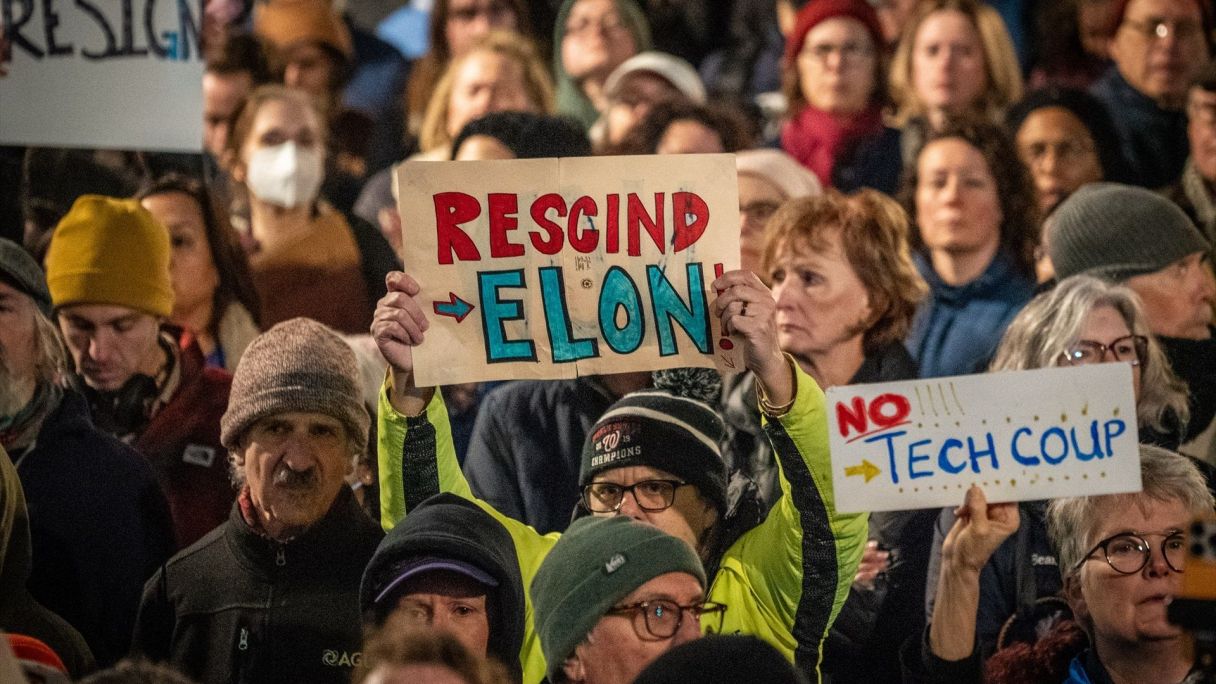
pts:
[455, 307]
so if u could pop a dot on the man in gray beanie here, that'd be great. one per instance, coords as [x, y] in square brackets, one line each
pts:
[1140, 239]
[272, 595]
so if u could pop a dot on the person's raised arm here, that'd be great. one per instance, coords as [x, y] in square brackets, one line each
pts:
[747, 310]
[397, 327]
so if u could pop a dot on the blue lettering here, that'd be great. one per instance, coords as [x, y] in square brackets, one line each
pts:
[1083, 455]
[668, 307]
[944, 462]
[495, 312]
[553, 294]
[1059, 434]
[914, 457]
[890, 437]
[1017, 453]
[1109, 427]
[620, 292]
[990, 452]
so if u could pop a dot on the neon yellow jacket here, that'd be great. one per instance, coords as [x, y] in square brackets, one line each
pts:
[783, 581]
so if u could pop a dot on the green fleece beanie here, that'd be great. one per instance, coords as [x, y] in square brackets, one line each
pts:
[595, 564]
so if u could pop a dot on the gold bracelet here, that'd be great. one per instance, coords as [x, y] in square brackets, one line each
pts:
[778, 411]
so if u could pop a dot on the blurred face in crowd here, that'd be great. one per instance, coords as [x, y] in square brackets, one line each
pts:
[1160, 47]
[948, 70]
[486, 82]
[1106, 326]
[295, 465]
[1093, 24]
[1201, 130]
[635, 97]
[1130, 609]
[596, 40]
[111, 343]
[1060, 153]
[821, 303]
[758, 199]
[892, 15]
[431, 673]
[1178, 298]
[276, 122]
[483, 147]
[222, 96]
[619, 647]
[18, 350]
[958, 211]
[686, 136]
[688, 517]
[470, 20]
[448, 602]
[836, 67]
[311, 69]
[191, 266]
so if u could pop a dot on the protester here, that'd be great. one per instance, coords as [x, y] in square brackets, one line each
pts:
[130, 671]
[591, 38]
[833, 78]
[311, 46]
[1070, 43]
[1193, 191]
[759, 571]
[973, 204]
[955, 58]
[450, 567]
[718, 659]
[404, 655]
[1140, 239]
[233, 70]
[681, 127]
[1158, 47]
[107, 270]
[1066, 139]
[767, 179]
[307, 259]
[19, 612]
[638, 84]
[272, 594]
[213, 294]
[94, 502]
[612, 595]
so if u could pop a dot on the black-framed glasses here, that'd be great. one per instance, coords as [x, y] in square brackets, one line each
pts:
[1156, 28]
[1130, 348]
[1128, 552]
[652, 495]
[661, 618]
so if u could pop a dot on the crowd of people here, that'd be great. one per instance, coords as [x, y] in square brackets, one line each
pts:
[216, 464]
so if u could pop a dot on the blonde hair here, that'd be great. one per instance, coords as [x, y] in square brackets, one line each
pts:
[1000, 60]
[538, 85]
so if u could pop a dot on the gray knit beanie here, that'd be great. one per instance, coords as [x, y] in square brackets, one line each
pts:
[595, 564]
[19, 269]
[1116, 231]
[299, 365]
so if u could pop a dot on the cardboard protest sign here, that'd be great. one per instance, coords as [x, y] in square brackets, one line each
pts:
[552, 268]
[117, 75]
[1021, 436]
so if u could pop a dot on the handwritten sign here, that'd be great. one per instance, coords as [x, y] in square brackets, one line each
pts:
[123, 74]
[1021, 436]
[552, 268]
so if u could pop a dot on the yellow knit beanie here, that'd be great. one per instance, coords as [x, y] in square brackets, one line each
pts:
[110, 251]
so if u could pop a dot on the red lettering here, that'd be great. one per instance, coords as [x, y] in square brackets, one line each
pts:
[685, 205]
[637, 217]
[583, 240]
[503, 206]
[452, 209]
[899, 407]
[540, 207]
[612, 241]
[851, 417]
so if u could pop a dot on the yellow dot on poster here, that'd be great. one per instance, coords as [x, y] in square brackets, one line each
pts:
[1063, 417]
[1036, 419]
[1116, 412]
[1102, 474]
[1013, 483]
[1084, 476]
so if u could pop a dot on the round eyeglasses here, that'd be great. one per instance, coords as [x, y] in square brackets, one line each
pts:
[661, 618]
[1128, 553]
[652, 495]
[1130, 348]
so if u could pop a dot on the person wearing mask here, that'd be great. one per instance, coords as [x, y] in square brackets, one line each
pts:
[272, 594]
[1158, 47]
[591, 39]
[146, 383]
[306, 258]
[974, 208]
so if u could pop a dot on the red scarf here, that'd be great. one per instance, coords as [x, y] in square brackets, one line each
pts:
[816, 139]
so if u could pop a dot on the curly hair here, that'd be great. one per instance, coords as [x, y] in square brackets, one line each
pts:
[1015, 190]
[646, 135]
[873, 231]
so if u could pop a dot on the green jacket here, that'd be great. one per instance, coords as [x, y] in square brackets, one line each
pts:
[774, 578]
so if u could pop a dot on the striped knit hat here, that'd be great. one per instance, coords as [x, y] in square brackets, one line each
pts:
[662, 429]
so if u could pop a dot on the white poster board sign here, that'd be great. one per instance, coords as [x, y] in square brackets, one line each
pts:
[1022, 435]
[101, 74]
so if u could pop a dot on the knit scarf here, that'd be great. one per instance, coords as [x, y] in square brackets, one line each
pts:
[818, 139]
[18, 431]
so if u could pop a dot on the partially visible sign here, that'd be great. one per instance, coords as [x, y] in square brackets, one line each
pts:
[552, 268]
[121, 74]
[1021, 436]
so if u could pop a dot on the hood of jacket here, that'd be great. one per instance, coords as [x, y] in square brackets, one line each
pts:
[570, 98]
[448, 526]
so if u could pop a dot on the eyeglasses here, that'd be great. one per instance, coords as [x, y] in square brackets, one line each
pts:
[849, 52]
[1131, 348]
[1155, 28]
[661, 618]
[652, 495]
[1128, 553]
[758, 212]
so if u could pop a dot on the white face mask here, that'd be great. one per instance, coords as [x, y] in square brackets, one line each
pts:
[286, 175]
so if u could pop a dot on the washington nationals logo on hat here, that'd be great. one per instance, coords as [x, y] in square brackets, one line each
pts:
[615, 441]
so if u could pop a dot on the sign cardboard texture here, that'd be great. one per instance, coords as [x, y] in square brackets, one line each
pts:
[1021, 435]
[554, 268]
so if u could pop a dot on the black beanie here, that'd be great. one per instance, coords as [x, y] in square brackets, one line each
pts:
[528, 135]
[721, 659]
